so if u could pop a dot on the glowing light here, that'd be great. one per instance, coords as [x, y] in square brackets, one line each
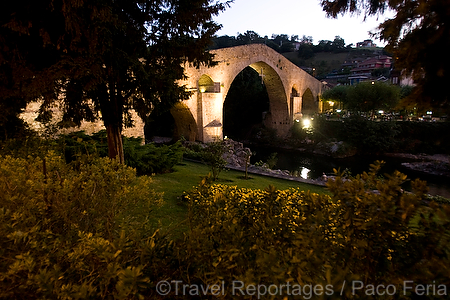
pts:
[331, 103]
[380, 111]
[202, 89]
[306, 123]
[304, 173]
[338, 110]
[429, 112]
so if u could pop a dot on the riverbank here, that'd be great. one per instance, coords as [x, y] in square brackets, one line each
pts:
[303, 166]
[430, 164]
[236, 158]
[312, 166]
[436, 164]
[276, 174]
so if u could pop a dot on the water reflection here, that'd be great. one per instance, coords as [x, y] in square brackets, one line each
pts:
[310, 166]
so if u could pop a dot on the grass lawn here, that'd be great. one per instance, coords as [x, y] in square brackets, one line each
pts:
[187, 175]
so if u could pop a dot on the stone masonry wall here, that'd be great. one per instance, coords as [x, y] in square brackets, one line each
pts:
[31, 112]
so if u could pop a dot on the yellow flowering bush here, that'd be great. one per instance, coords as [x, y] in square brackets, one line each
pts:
[369, 230]
[82, 231]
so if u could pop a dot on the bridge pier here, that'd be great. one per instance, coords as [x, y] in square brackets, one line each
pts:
[210, 116]
[296, 108]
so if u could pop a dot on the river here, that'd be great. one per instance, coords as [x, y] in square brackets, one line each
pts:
[312, 166]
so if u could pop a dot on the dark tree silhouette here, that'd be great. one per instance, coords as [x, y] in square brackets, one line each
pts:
[103, 57]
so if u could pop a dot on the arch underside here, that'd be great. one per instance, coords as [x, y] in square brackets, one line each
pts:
[309, 105]
[185, 125]
[278, 116]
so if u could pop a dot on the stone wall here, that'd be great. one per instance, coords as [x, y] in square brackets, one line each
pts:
[32, 110]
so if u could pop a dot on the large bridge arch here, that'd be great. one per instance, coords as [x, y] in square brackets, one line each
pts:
[284, 81]
[278, 115]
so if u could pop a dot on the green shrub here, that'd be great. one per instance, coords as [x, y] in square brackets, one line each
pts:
[213, 155]
[149, 158]
[82, 231]
[29, 146]
[87, 194]
[378, 137]
[369, 136]
[424, 137]
[74, 231]
[193, 150]
[263, 135]
[146, 159]
[368, 231]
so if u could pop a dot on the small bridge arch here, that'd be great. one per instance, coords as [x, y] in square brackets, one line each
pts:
[286, 85]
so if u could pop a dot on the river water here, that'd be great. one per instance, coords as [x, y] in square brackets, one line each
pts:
[312, 166]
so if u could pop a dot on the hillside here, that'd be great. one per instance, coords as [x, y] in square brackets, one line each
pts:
[326, 62]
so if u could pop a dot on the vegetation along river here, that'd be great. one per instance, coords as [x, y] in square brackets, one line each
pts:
[313, 166]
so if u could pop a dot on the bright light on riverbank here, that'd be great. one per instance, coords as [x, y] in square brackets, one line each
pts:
[304, 173]
[306, 123]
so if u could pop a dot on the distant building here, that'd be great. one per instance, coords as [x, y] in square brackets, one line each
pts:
[398, 78]
[352, 62]
[357, 79]
[366, 44]
[366, 66]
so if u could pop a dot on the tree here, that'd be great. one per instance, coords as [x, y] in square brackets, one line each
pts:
[338, 44]
[418, 36]
[323, 46]
[224, 41]
[103, 57]
[249, 37]
[307, 40]
[280, 39]
[305, 51]
[339, 94]
[372, 96]
[213, 156]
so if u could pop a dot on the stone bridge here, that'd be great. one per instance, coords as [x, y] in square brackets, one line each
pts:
[292, 92]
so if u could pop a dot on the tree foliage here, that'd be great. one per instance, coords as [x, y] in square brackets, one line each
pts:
[365, 96]
[418, 36]
[338, 93]
[337, 45]
[305, 51]
[372, 96]
[213, 156]
[103, 56]
[248, 37]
